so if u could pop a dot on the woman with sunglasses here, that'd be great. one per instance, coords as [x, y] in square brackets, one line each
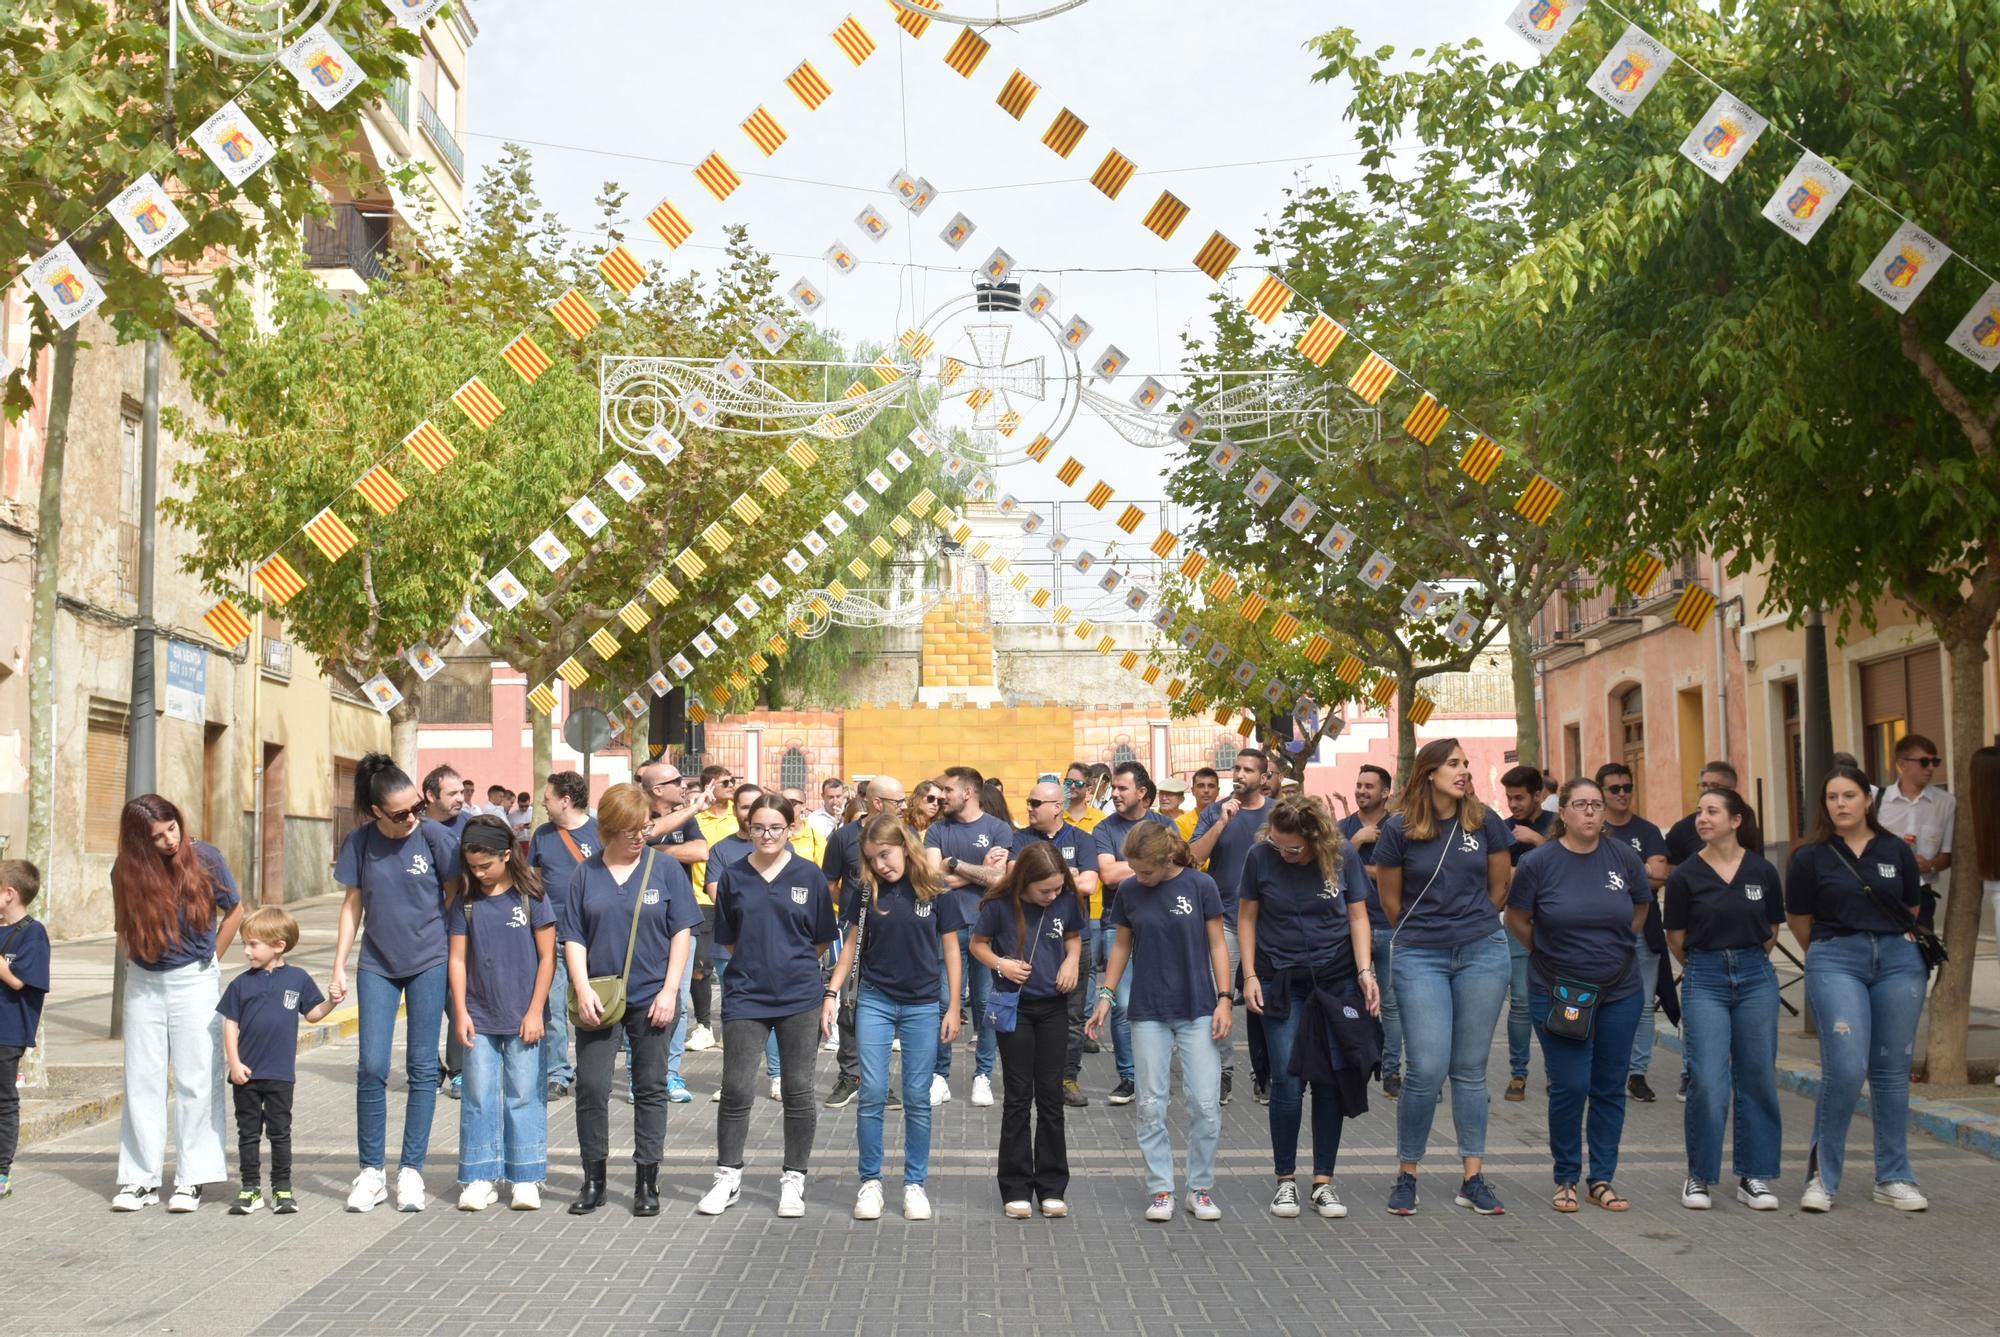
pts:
[399, 871]
[774, 912]
[926, 805]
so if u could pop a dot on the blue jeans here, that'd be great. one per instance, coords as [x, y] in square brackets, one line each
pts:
[1450, 999]
[880, 1020]
[1867, 990]
[1587, 1074]
[979, 979]
[1520, 1025]
[1288, 1095]
[556, 1066]
[677, 1042]
[1121, 1024]
[1154, 1044]
[1729, 1018]
[1646, 967]
[503, 1123]
[422, 999]
[1392, 1013]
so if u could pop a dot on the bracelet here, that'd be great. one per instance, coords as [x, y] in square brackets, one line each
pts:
[1105, 991]
[833, 993]
[1366, 970]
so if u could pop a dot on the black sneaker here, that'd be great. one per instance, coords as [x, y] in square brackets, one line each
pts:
[1635, 1087]
[1261, 1090]
[1392, 1085]
[843, 1093]
[248, 1200]
[1226, 1082]
[1682, 1093]
[1073, 1095]
[283, 1202]
[1124, 1093]
[895, 1098]
[1091, 1046]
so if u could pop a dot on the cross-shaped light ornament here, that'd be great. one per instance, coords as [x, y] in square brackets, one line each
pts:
[990, 371]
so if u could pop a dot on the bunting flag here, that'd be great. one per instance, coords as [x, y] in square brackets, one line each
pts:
[381, 693]
[1383, 691]
[764, 131]
[1539, 501]
[1371, 378]
[1284, 628]
[634, 616]
[1113, 173]
[478, 403]
[574, 312]
[228, 623]
[1349, 670]
[662, 590]
[916, 25]
[917, 344]
[920, 505]
[853, 40]
[1641, 572]
[1427, 419]
[1166, 216]
[949, 373]
[966, 51]
[1215, 256]
[330, 535]
[885, 370]
[1016, 94]
[670, 223]
[1009, 423]
[1039, 448]
[688, 562]
[801, 454]
[1543, 23]
[1273, 295]
[718, 177]
[1221, 587]
[1723, 136]
[1130, 519]
[65, 285]
[1807, 197]
[573, 673]
[429, 446]
[1071, 470]
[1691, 610]
[281, 583]
[1098, 496]
[1977, 336]
[622, 270]
[1479, 459]
[526, 357]
[234, 144]
[604, 643]
[809, 85]
[774, 482]
[1419, 711]
[746, 509]
[1193, 565]
[1631, 70]
[379, 488]
[717, 537]
[1904, 267]
[543, 699]
[1252, 607]
[1320, 339]
[1064, 133]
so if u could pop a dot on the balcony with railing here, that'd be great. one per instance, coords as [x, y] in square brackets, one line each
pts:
[1582, 608]
[442, 136]
[396, 97]
[351, 238]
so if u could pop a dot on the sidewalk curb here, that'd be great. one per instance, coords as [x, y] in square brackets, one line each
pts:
[1955, 1125]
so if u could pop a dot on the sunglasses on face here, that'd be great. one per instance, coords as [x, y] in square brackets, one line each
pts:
[1617, 789]
[1034, 803]
[933, 798]
[1925, 762]
[403, 814]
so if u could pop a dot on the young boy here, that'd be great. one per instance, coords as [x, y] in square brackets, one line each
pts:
[260, 1035]
[24, 981]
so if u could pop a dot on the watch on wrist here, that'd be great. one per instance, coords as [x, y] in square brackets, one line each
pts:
[951, 864]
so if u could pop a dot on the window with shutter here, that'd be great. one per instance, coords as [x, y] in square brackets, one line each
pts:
[104, 781]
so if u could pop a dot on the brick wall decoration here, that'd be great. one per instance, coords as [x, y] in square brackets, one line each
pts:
[912, 743]
[957, 644]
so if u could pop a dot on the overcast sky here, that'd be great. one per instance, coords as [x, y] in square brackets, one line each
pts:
[638, 90]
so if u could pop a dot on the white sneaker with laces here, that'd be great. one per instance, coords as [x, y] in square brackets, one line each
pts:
[700, 1038]
[940, 1090]
[371, 1190]
[409, 1190]
[916, 1203]
[1019, 1210]
[1160, 1207]
[1327, 1203]
[868, 1202]
[1695, 1195]
[477, 1196]
[723, 1193]
[1286, 1202]
[134, 1197]
[1903, 1196]
[791, 1194]
[1756, 1195]
[982, 1091]
[1815, 1198]
[527, 1198]
[187, 1198]
[1202, 1206]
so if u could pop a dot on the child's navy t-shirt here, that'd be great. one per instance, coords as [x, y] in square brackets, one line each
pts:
[25, 945]
[265, 1005]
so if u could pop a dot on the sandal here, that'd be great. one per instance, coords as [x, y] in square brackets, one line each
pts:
[1565, 1199]
[1608, 1197]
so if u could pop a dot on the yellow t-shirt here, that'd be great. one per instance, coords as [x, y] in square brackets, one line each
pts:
[713, 829]
[809, 844]
[1092, 815]
[1185, 821]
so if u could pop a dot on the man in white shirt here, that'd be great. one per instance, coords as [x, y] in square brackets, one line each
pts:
[832, 798]
[1920, 813]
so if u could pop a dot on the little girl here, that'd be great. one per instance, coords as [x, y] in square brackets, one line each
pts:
[503, 957]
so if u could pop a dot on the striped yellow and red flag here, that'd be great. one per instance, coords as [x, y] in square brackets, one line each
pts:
[1071, 470]
[774, 482]
[1642, 572]
[858, 568]
[228, 623]
[662, 590]
[543, 699]
[1010, 423]
[1098, 496]
[979, 399]
[379, 488]
[1113, 173]
[916, 343]
[902, 529]
[778, 646]
[836, 589]
[280, 581]
[1166, 215]
[1273, 295]
[1041, 598]
[809, 85]
[718, 537]
[801, 454]
[1130, 519]
[330, 535]
[604, 643]
[1692, 609]
[1020, 581]
[856, 390]
[1317, 648]
[920, 505]
[1371, 378]
[746, 509]
[1479, 459]
[1222, 586]
[1039, 448]
[798, 626]
[697, 713]
[916, 25]
[949, 373]
[966, 51]
[1064, 133]
[478, 403]
[1252, 607]
[573, 673]
[1427, 419]
[1197, 702]
[1106, 645]
[1419, 710]
[428, 444]
[1383, 690]
[1215, 256]
[1129, 660]
[853, 40]
[526, 357]
[1539, 501]
[885, 370]
[1151, 674]
[670, 223]
[634, 616]
[1316, 345]
[1284, 627]
[758, 663]
[622, 269]
[880, 546]
[961, 534]
[1017, 93]
[574, 313]
[764, 131]
[688, 562]
[1164, 543]
[717, 176]
[1193, 565]
[831, 427]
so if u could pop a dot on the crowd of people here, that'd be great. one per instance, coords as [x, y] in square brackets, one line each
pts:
[1370, 955]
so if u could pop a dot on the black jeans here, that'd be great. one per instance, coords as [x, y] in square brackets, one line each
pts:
[1073, 1044]
[743, 1043]
[264, 1107]
[10, 1106]
[1032, 1058]
[701, 989]
[596, 1052]
[847, 1059]
[1260, 1049]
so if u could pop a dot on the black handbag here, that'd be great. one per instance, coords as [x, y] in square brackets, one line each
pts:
[1573, 1002]
[1003, 1006]
[1929, 946]
[844, 1014]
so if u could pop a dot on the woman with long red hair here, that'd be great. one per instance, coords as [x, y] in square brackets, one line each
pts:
[176, 908]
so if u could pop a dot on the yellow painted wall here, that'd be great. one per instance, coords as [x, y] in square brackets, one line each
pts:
[913, 743]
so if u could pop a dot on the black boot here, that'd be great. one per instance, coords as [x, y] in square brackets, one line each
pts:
[646, 1191]
[592, 1196]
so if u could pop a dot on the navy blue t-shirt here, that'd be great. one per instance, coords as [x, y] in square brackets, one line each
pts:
[773, 927]
[1232, 847]
[679, 835]
[1301, 917]
[901, 948]
[842, 861]
[1717, 915]
[1173, 977]
[549, 852]
[1076, 847]
[1543, 823]
[1457, 909]
[197, 941]
[1377, 916]
[26, 948]
[456, 823]
[968, 842]
[266, 1005]
[1822, 882]
[1581, 907]
[1641, 835]
[402, 886]
[1110, 836]
[598, 914]
[1061, 919]
[501, 959]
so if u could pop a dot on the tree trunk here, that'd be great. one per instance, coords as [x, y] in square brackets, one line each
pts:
[545, 751]
[1406, 732]
[42, 670]
[1951, 1000]
[403, 736]
[1527, 716]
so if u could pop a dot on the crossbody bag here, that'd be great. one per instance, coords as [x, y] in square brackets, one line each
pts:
[845, 1012]
[1003, 1007]
[1573, 1002]
[1929, 946]
[610, 989]
[1410, 909]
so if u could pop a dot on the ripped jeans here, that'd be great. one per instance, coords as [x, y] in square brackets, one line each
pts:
[1867, 990]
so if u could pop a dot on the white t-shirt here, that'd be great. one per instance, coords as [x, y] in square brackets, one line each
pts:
[1925, 821]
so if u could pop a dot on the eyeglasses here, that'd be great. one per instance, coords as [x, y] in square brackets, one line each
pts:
[1617, 789]
[1290, 852]
[769, 832]
[1586, 805]
[897, 803]
[1925, 762]
[403, 815]
[1035, 803]
[934, 799]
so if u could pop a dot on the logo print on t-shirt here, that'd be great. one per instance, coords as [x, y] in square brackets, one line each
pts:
[291, 1000]
[583, 848]
[519, 917]
[650, 896]
[1328, 892]
[1468, 843]
[1886, 869]
[1183, 906]
[1069, 853]
[1614, 881]
[1753, 891]
[419, 866]
[981, 841]
[923, 909]
[798, 895]
[1055, 930]
[1349, 1013]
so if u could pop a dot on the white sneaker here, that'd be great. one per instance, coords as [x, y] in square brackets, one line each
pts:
[1285, 1203]
[1903, 1196]
[700, 1038]
[134, 1197]
[777, 1089]
[1756, 1195]
[982, 1091]
[1327, 1203]
[1815, 1198]
[715, 1097]
[1202, 1206]
[527, 1198]
[1019, 1210]
[868, 1202]
[916, 1203]
[1160, 1207]
[791, 1194]
[477, 1196]
[723, 1193]
[896, 1047]
[187, 1198]
[371, 1190]
[409, 1190]
[940, 1090]
[832, 1042]
[1054, 1208]
[1696, 1197]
